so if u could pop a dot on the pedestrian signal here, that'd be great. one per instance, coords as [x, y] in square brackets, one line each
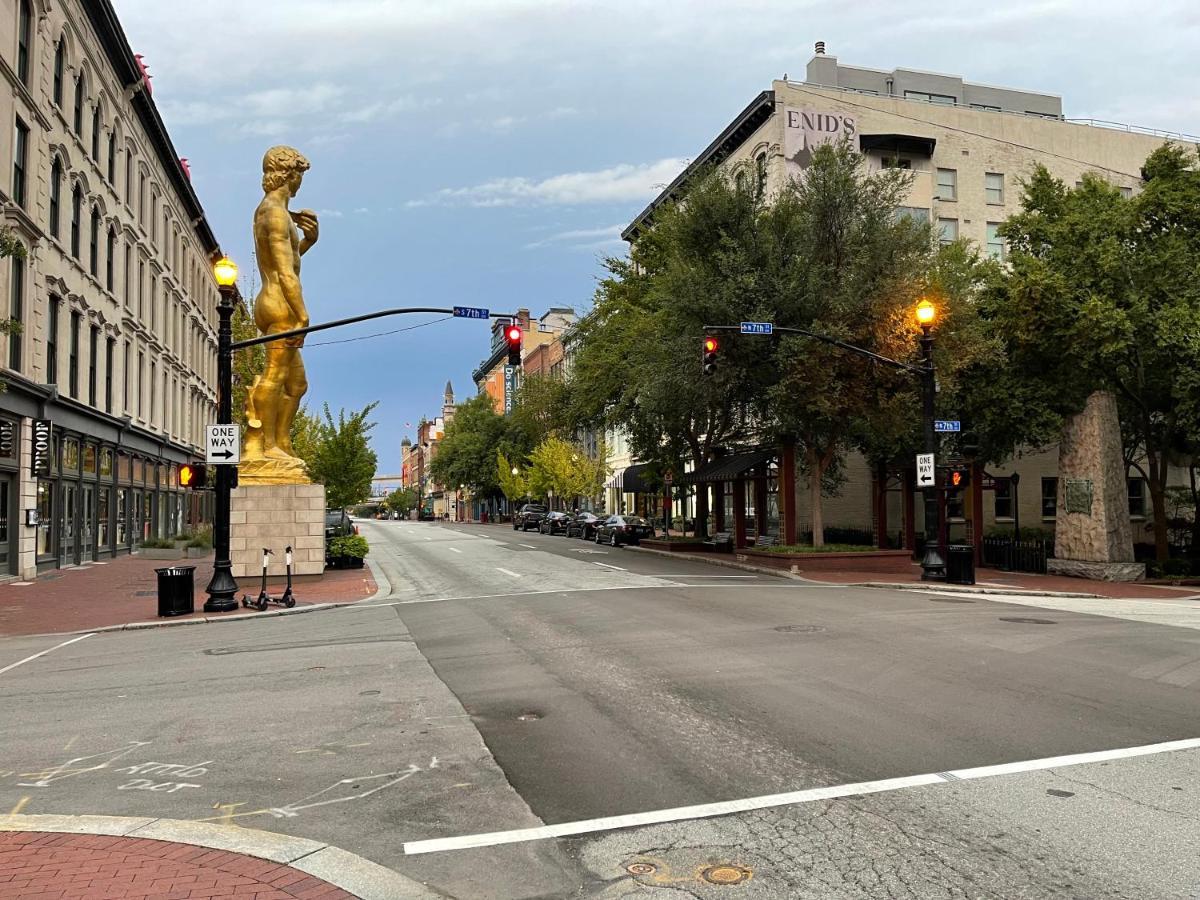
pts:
[958, 477]
[192, 476]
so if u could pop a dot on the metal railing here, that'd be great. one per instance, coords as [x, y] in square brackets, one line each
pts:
[1017, 556]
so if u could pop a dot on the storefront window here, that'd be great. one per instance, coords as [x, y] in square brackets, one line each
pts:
[54, 455]
[122, 516]
[70, 456]
[124, 468]
[45, 528]
[89, 459]
[773, 504]
[106, 463]
[139, 471]
[102, 508]
[147, 514]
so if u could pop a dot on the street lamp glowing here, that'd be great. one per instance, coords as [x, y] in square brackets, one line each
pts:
[515, 471]
[225, 271]
[926, 313]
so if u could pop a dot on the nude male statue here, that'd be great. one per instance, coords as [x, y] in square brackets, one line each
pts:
[273, 400]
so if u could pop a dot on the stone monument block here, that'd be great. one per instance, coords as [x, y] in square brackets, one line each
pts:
[1092, 534]
[277, 516]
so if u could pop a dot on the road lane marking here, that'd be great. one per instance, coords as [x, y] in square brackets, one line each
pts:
[705, 576]
[618, 568]
[729, 807]
[22, 662]
[527, 546]
[506, 572]
[454, 550]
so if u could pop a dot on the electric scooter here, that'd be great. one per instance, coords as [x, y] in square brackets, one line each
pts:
[260, 602]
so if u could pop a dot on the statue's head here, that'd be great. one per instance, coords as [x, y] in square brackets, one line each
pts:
[283, 165]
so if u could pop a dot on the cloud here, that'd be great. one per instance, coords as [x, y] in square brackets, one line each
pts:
[583, 238]
[619, 184]
[330, 213]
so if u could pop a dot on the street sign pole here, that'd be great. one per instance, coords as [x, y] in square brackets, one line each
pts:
[222, 589]
[933, 561]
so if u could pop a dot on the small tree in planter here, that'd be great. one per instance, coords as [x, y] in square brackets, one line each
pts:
[348, 551]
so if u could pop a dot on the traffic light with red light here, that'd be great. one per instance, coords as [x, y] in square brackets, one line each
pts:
[710, 347]
[512, 336]
[193, 475]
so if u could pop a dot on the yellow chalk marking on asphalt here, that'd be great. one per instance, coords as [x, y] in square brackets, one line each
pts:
[20, 805]
[70, 742]
[226, 818]
[363, 744]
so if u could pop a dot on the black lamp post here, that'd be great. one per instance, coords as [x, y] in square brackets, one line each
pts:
[933, 563]
[222, 590]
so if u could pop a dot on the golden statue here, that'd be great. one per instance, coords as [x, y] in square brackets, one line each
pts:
[271, 404]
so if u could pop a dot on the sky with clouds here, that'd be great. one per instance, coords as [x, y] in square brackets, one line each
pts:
[489, 152]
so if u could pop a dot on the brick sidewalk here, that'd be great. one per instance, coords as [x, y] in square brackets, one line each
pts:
[123, 590]
[46, 866]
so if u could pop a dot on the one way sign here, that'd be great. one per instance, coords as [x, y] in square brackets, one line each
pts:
[222, 445]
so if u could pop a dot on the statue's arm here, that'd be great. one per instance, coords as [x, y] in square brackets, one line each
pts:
[279, 244]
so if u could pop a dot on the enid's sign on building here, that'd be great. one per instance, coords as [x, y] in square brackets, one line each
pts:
[806, 129]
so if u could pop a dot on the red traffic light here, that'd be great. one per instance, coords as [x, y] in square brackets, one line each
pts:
[513, 334]
[710, 345]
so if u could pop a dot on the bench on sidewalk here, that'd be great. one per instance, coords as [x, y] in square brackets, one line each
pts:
[722, 541]
[766, 540]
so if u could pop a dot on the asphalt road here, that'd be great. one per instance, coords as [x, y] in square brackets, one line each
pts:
[513, 680]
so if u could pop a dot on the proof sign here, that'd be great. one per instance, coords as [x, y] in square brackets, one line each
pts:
[925, 470]
[43, 446]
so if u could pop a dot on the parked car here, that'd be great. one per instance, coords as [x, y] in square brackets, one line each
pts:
[583, 525]
[338, 524]
[618, 530]
[529, 516]
[554, 523]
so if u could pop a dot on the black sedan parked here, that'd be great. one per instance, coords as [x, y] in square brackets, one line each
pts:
[555, 523]
[530, 516]
[583, 525]
[618, 530]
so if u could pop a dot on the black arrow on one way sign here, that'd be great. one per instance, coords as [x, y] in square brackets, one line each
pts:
[224, 454]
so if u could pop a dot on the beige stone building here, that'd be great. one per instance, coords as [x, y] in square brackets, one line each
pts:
[116, 350]
[968, 147]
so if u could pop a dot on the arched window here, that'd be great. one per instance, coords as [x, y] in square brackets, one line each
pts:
[24, 37]
[94, 243]
[76, 215]
[112, 156]
[80, 91]
[56, 174]
[110, 256]
[60, 65]
[96, 132]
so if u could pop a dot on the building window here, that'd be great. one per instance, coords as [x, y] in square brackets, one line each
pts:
[20, 161]
[947, 184]
[94, 243]
[153, 389]
[1003, 498]
[1049, 498]
[995, 243]
[24, 36]
[16, 312]
[56, 175]
[141, 291]
[60, 63]
[947, 230]
[52, 341]
[96, 132]
[141, 198]
[760, 174]
[895, 162]
[126, 377]
[985, 107]
[125, 273]
[73, 366]
[993, 186]
[80, 90]
[109, 352]
[128, 178]
[76, 215]
[108, 258]
[943, 99]
[1126, 192]
[1137, 497]
[93, 362]
[112, 157]
[917, 213]
[141, 381]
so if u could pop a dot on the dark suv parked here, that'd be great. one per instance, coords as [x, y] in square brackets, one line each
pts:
[530, 516]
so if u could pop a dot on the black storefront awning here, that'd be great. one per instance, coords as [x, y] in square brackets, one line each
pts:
[908, 144]
[633, 480]
[730, 468]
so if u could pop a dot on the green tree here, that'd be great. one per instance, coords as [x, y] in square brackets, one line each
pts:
[467, 453]
[514, 486]
[541, 408]
[309, 434]
[401, 500]
[345, 462]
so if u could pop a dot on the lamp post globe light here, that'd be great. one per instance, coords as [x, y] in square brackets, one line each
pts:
[222, 589]
[933, 562]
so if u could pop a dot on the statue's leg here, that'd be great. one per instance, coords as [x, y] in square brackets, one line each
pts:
[294, 388]
[267, 395]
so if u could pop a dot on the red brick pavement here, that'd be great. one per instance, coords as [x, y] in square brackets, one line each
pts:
[44, 866]
[123, 590]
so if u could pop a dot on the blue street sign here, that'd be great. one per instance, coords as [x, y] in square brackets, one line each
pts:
[947, 425]
[470, 312]
[758, 328]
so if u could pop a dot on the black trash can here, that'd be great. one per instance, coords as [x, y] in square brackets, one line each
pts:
[960, 564]
[176, 590]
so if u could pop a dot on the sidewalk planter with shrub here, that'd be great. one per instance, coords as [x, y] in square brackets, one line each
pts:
[160, 548]
[830, 558]
[347, 552]
[675, 544]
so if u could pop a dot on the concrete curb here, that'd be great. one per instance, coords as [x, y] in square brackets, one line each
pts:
[351, 873]
[725, 563]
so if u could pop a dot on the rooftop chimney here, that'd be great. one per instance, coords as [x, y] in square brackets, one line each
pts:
[820, 48]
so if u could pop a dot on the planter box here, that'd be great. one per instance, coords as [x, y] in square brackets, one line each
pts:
[675, 546]
[160, 553]
[345, 562]
[895, 562]
[197, 552]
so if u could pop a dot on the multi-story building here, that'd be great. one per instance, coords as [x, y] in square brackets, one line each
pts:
[968, 147]
[110, 371]
[500, 381]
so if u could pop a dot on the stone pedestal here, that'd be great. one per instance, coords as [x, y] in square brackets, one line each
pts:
[1092, 534]
[276, 516]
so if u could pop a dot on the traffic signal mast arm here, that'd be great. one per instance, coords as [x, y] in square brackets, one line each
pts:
[298, 332]
[824, 338]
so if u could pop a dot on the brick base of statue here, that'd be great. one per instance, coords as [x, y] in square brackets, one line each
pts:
[276, 516]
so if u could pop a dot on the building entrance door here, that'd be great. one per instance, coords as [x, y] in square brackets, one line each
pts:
[87, 524]
[7, 499]
[67, 526]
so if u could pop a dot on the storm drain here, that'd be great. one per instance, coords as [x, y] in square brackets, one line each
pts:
[641, 869]
[726, 874]
[1023, 621]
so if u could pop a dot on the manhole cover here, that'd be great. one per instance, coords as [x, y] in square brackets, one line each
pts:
[529, 717]
[641, 869]
[799, 629]
[1023, 621]
[725, 874]
[949, 600]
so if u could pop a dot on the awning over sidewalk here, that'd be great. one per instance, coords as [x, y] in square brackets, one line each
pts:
[633, 480]
[730, 468]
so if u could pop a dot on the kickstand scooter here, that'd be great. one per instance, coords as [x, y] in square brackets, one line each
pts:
[287, 599]
[263, 598]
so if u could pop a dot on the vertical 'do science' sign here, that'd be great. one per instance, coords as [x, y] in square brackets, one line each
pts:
[804, 130]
